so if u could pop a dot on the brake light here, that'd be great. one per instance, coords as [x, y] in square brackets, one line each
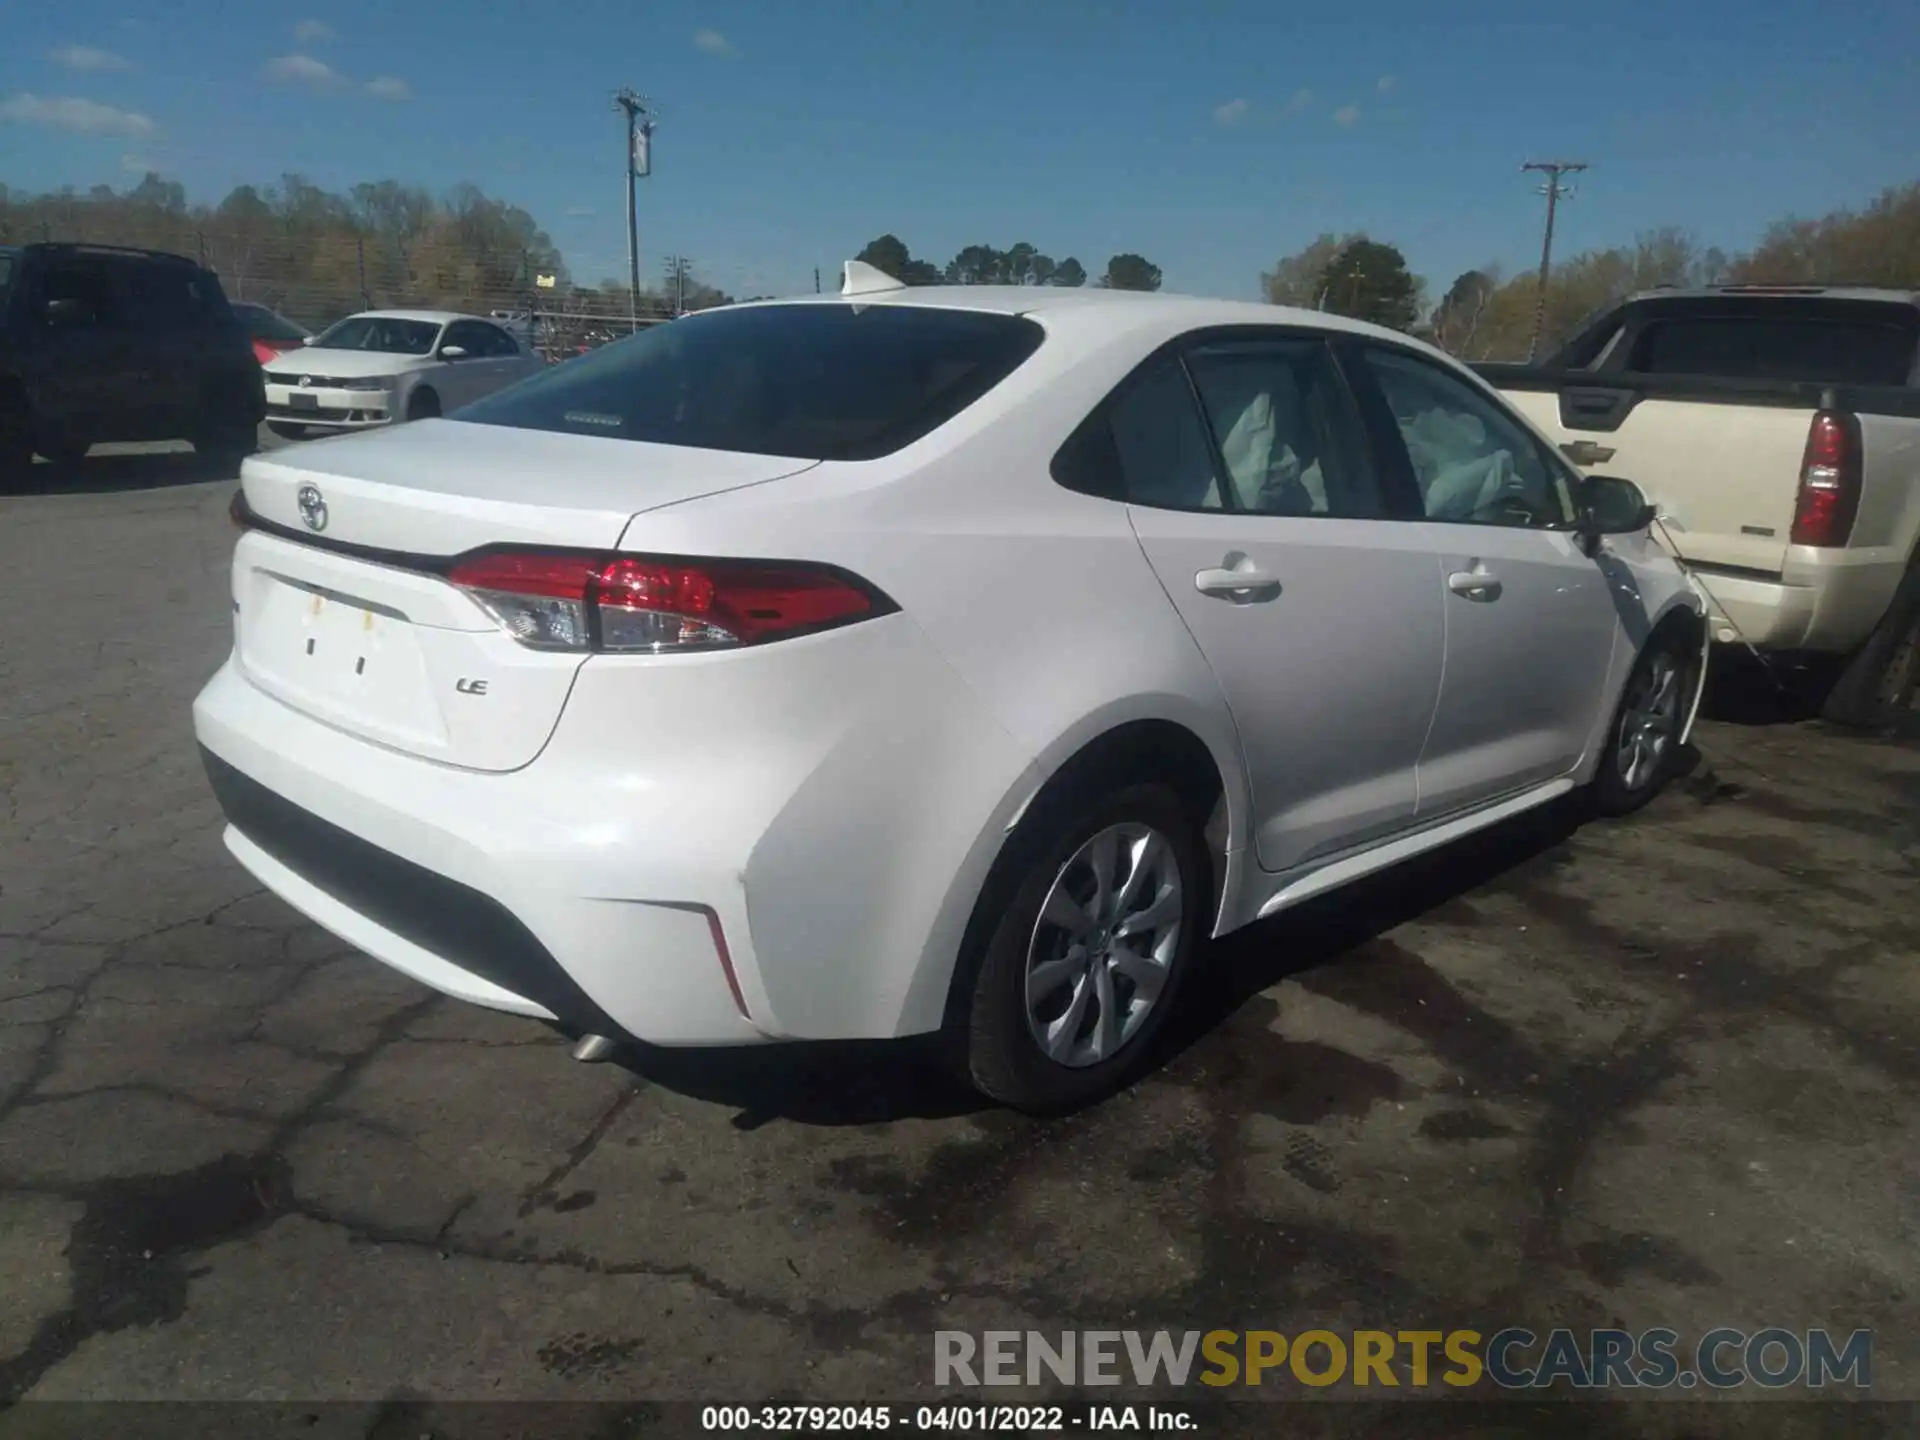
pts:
[633, 604]
[237, 510]
[1829, 481]
[264, 353]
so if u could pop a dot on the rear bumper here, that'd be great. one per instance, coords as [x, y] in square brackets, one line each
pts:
[1829, 606]
[711, 854]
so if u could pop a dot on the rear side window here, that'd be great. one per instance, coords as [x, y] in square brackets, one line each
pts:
[810, 381]
[162, 298]
[1828, 351]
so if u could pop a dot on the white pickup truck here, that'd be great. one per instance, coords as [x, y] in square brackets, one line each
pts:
[1777, 431]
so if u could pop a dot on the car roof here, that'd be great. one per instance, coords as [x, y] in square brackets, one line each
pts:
[437, 317]
[1124, 310]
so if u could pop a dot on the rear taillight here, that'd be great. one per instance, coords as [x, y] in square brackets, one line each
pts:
[237, 510]
[1829, 481]
[264, 353]
[634, 604]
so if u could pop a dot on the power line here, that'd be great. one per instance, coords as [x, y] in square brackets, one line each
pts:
[1553, 190]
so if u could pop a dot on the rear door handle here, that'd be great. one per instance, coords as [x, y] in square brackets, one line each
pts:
[1475, 584]
[1244, 583]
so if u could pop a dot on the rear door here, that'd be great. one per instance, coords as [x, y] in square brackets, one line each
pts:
[1251, 488]
[91, 383]
[171, 336]
[1531, 620]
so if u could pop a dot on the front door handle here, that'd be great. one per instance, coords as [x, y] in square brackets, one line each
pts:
[1238, 580]
[1475, 584]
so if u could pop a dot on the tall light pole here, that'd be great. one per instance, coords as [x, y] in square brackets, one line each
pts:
[639, 164]
[1553, 190]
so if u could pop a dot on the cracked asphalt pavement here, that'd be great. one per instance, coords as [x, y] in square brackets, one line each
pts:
[1654, 1072]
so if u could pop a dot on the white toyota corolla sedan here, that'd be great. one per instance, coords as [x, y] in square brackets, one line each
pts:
[386, 366]
[930, 661]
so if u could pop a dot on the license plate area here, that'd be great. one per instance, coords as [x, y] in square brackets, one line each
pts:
[303, 402]
[341, 658]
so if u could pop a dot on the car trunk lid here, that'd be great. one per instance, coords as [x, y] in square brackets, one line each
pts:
[341, 608]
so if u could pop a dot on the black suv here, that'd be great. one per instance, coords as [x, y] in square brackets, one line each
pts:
[99, 343]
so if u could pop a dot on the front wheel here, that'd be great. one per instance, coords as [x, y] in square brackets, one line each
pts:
[226, 445]
[1643, 747]
[425, 405]
[1105, 904]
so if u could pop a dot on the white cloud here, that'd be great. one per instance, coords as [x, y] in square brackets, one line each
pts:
[1346, 115]
[1386, 83]
[302, 70]
[88, 117]
[86, 57]
[388, 87]
[311, 32]
[1301, 99]
[1231, 113]
[713, 42]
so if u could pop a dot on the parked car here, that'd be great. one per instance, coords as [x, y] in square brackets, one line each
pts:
[273, 334]
[1778, 427]
[99, 343]
[384, 366]
[932, 661]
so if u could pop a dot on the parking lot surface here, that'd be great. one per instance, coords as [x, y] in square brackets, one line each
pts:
[1659, 1072]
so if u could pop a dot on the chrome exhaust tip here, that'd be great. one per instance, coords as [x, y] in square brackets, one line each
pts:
[592, 1049]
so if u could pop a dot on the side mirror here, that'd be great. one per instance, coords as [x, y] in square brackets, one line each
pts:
[308, 339]
[1612, 506]
[452, 352]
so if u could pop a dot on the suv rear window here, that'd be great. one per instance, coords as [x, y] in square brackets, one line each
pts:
[1828, 350]
[811, 381]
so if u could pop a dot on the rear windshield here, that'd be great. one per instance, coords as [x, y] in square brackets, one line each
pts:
[263, 324]
[814, 382]
[1827, 350]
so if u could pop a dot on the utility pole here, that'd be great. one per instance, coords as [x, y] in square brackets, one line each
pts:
[639, 164]
[1553, 190]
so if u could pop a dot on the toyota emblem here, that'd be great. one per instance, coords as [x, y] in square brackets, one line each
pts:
[306, 382]
[313, 507]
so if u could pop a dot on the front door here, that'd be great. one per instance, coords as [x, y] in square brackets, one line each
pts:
[1530, 618]
[1250, 487]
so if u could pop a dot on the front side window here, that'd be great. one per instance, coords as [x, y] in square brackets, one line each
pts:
[810, 381]
[1473, 464]
[382, 334]
[76, 296]
[1285, 428]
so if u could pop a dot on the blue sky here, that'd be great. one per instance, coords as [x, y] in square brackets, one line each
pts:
[1210, 135]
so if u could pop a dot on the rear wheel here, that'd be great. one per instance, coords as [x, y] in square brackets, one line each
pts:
[1877, 685]
[16, 440]
[63, 449]
[424, 405]
[227, 444]
[1643, 747]
[1101, 910]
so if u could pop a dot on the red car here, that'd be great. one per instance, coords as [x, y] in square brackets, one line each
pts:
[271, 333]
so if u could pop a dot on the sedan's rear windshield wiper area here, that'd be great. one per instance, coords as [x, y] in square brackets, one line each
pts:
[810, 381]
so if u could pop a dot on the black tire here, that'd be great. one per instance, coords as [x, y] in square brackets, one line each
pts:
[227, 445]
[1619, 787]
[63, 449]
[16, 441]
[424, 405]
[286, 430]
[1877, 684]
[993, 1042]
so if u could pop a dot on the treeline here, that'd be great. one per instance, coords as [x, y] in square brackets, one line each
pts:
[1020, 264]
[1484, 315]
[313, 252]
